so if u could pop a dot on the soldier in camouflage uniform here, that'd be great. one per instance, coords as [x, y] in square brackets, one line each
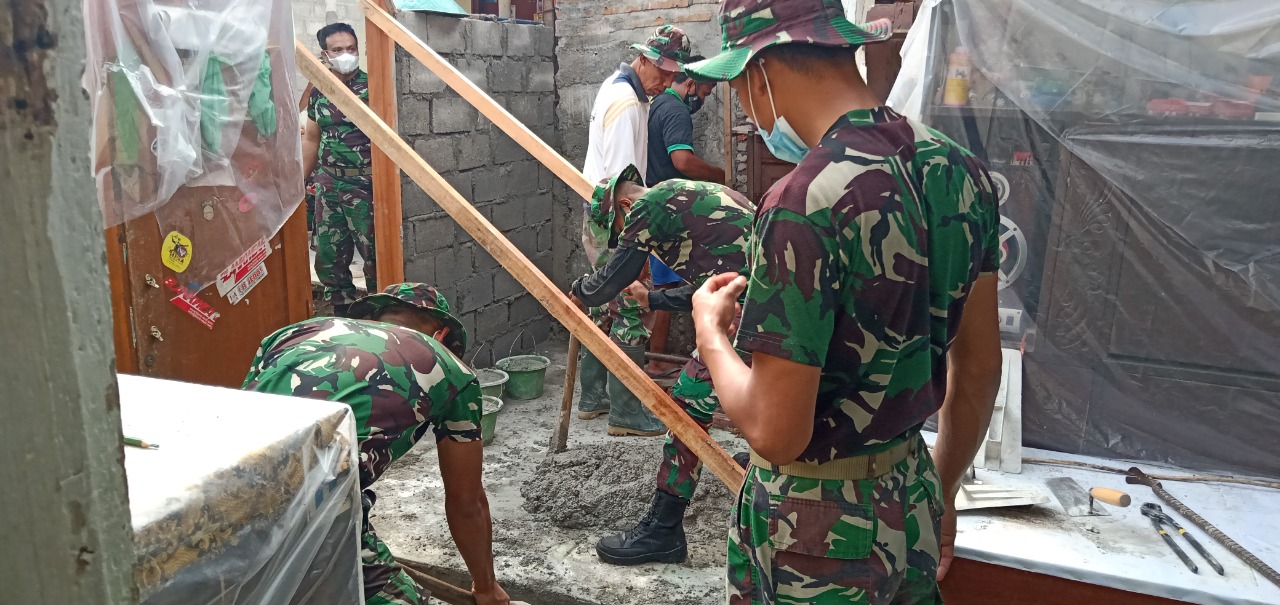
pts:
[870, 304]
[344, 180]
[699, 230]
[396, 362]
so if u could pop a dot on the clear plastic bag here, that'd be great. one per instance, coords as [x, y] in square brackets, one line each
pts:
[185, 96]
[1135, 143]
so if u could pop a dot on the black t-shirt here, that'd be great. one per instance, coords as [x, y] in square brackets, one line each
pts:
[670, 128]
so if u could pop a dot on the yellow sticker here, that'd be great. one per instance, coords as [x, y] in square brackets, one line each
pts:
[176, 252]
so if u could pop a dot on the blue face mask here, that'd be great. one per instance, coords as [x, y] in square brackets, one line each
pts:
[782, 141]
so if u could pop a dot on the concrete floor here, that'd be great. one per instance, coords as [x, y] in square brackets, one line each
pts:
[536, 560]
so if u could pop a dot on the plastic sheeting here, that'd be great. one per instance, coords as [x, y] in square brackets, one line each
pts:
[251, 499]
[185, 96]
[1135, 144]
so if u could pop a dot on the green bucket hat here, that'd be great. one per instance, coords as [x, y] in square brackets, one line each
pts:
[668, 48]
[750, 26]
[415, 296]
[602, 198]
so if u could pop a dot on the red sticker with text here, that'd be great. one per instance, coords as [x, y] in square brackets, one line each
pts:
[189, 302]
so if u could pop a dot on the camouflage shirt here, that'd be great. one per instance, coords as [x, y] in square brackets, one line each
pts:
[396, 380]
[861, 261]
[342, 144]
[697, 229]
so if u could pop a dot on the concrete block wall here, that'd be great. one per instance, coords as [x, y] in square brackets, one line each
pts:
[513, 63]
[311, 15]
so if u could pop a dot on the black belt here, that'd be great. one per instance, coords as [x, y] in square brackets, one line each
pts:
[334, 171]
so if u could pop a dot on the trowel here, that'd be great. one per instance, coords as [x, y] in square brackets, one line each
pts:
[1079, 503]
[977, 494]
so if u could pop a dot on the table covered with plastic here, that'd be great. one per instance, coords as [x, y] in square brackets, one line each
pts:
[249, 498]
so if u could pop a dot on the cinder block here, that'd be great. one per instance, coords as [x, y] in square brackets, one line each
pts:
[475, 292]
[421, 79]
[452, 114]
[489, 185]
[462, 182]
[545, 237]
[521, 40]
[524, 108]
[446, 34]
[414, 115]
[482, 358]
[473, 150]
[507, 214]
[505, 286]
[537, 209]
[487, 263]
[544, 40]
[415, 203]
[485, 37]
[545, 178]
[493, 318]
[460, 235]
[504, 343]
[438, 152]
[522, 178]
[545, 263]
[542, 76]
[525, 308]
[420, 268]
[507, 75]
[453, 265]
[503, 149]
[546, 112]
[475, 69]
[432, 234]
[526, 239]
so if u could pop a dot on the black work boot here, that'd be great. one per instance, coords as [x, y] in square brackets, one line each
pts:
[658, 537]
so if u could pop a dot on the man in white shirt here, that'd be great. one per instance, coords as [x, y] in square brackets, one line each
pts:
[619, 138]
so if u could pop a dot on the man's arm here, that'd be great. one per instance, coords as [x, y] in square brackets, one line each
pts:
[773, 401]
[624, 267]
[467, 510]
[310, 149]
[695, 168]
[974, 365]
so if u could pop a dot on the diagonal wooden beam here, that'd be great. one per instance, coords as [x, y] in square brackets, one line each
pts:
[478, 99]
[511, 259]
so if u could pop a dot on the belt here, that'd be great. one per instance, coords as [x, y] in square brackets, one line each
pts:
[853, 468]
[366, 171]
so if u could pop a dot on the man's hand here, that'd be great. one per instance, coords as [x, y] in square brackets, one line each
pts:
[496, 596]
[638, 294]
[947, 540]
[715, 304]
[573, 298]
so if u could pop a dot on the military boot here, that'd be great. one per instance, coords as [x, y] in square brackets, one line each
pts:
[593, 378]
[627, 416]
[658, 537]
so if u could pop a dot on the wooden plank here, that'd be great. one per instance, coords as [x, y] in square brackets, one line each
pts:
[653, 397]
[726, 99]
[975, 583]
[481, 101]
[294, 240]
[560, 438]
[388, 235]
[121, 302]
[440, 589]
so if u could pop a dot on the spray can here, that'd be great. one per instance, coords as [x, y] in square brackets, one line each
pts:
[956, 90]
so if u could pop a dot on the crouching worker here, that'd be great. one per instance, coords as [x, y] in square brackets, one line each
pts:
[698, 230]
[396, 363]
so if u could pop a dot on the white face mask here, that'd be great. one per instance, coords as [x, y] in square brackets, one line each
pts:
[344, 63]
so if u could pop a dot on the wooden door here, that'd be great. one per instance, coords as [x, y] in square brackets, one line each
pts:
[154, 337]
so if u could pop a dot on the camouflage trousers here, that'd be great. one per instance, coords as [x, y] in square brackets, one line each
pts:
[694, 390]
[385, 581]
[853, 542]
[344, 225]
[622, 319]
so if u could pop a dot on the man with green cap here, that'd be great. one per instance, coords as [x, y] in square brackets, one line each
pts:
[397, 363]
[618, 138]
[699, 230]
[869, 304]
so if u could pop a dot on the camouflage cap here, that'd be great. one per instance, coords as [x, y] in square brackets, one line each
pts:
[750, 26]
[602, 198]
[415, 296]
[668, 48]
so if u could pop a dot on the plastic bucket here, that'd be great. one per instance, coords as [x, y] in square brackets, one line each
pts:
[526, 373]
[492, 381]
[490, 406]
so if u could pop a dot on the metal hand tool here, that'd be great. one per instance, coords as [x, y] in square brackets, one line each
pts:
[1157, 512]
[1157, 520]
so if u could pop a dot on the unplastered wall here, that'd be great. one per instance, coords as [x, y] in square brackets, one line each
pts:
[311, 15]
[593, 37]
[513, 63]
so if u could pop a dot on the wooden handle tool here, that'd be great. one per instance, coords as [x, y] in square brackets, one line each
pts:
[1114, 497]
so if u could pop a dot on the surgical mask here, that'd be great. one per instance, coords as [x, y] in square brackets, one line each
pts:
[782, 141]
[693, 101]
[344, 63]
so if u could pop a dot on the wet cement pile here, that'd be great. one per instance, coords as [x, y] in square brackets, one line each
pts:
[608, 487]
